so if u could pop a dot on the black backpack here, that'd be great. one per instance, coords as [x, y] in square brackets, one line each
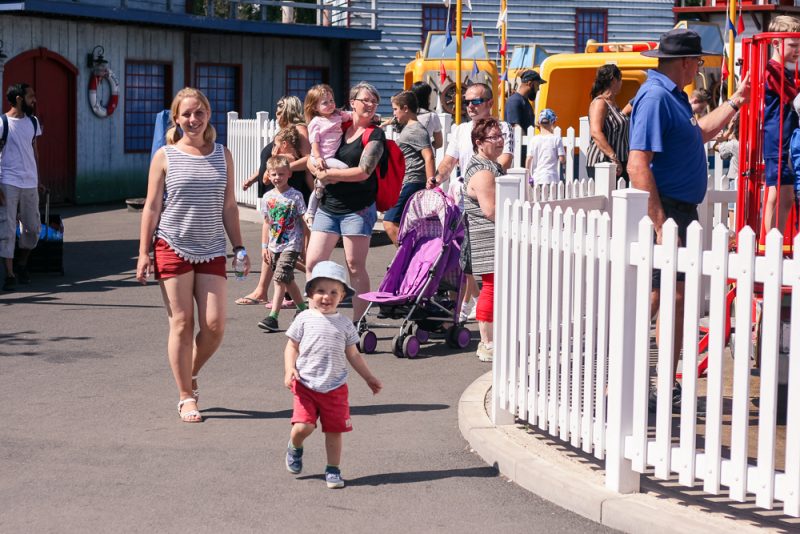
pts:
[4, 138]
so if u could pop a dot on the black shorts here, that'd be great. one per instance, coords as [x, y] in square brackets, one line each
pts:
[683, 214]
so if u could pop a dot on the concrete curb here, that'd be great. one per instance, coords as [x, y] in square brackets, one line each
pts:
[549, 473]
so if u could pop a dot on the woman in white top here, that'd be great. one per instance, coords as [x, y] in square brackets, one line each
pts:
[186, 230]
[545, 152]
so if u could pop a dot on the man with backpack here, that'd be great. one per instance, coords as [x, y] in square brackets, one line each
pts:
[19, 183]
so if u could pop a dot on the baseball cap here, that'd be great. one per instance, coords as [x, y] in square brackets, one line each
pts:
[547, 115]
[531, 76]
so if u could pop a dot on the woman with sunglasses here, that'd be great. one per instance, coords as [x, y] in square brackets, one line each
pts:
[479, 205]
[289, 113]
[348, 207]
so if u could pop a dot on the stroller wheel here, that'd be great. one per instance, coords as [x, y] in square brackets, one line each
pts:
[397, 346]
[411, 347]
[368, 342]
[422, 335]
[458, 337]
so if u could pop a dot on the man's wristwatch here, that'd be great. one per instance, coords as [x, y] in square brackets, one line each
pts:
[732, 104]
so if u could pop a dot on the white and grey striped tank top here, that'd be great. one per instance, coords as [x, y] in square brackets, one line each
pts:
[616, 129]
[191, 222]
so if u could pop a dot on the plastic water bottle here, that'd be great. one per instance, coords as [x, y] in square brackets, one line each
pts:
[238, 264]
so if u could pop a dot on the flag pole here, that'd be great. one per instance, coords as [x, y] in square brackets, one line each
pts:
[502, 101]
[458, 63]
[731, 47]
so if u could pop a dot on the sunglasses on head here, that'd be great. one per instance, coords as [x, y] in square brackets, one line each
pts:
[477, 101]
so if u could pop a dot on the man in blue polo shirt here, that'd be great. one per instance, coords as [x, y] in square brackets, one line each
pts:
[667, 155]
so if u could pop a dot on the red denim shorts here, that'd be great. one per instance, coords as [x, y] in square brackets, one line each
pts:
[167, 264]
[332, 408]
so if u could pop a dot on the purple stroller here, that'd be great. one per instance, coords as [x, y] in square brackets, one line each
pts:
[422, 277]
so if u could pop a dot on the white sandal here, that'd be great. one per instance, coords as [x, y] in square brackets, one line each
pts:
[191, 413]
[196, 392]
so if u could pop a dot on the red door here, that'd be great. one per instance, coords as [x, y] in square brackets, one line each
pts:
[53, 78]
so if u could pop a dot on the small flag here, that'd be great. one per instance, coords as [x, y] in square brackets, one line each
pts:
[446, 3]
[442, 72]
[504, 76]
[474, 68]
[469, 5]
[740, 24]
[501, 19]
[503, 48]
[468, 31]
[724, 68]
[448, 34]
[729, 26]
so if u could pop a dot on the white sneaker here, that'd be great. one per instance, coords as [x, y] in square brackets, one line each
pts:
[485, 351]
[468, 310]
[473, 309]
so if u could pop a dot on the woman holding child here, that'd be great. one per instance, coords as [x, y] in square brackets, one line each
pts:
[347, 207]
[186, 230]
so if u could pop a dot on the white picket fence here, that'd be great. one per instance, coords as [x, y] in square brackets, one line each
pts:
[246, 138]
[572, 337]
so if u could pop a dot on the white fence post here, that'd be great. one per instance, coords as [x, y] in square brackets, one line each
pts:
[507, 189]
[630, 206]
[605, 183]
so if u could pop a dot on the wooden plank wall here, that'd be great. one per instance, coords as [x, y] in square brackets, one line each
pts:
[104, 171]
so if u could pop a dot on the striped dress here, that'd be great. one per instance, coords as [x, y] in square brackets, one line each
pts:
[615, 128]
[481, 229]
[191, 221]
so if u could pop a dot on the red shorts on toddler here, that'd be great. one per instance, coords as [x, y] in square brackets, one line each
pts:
[331, 408]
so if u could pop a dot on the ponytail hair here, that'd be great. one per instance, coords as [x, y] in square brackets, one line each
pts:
[174, 133]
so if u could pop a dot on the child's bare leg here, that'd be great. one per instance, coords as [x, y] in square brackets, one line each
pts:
[300, 431]
[294, 291]
[333, 448]
[769, 207]
[277, 296]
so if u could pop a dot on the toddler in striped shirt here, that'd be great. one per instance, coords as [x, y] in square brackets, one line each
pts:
[321, 342]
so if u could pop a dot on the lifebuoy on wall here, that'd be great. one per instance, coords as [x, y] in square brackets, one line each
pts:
[95, 103]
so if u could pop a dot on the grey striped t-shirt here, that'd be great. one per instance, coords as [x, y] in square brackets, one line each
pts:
[322, 363]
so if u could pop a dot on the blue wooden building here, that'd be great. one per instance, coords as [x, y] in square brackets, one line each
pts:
[244, 56]
[562, 26]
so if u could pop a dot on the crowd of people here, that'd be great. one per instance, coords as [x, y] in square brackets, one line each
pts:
[318, 183]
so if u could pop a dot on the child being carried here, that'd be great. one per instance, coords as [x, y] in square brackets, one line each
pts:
[325, 135]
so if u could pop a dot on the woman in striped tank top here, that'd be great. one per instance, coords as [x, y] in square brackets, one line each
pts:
[608, 124]
[186, 230]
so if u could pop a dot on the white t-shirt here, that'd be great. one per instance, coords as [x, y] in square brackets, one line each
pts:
[323, 339]
[17, 163]
[461, 147]
[544, 151]
[430, 121]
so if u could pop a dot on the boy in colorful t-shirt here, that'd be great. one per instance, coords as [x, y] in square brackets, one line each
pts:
[282, 236]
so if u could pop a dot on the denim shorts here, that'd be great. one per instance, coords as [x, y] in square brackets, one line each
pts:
[771, 172]
[356, 223]
[394, 213]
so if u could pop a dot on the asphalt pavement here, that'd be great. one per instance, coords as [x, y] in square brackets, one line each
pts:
[90, 438]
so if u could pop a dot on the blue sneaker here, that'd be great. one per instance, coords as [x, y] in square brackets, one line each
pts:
[294, 460]
[333, 478]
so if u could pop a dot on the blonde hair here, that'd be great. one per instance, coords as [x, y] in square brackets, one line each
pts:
[291, 135]
[313, 98]
[292, 111]
[277, 162]
[173, 135]
[784, 23]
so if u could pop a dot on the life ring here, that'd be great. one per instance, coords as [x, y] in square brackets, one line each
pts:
[97, 106]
